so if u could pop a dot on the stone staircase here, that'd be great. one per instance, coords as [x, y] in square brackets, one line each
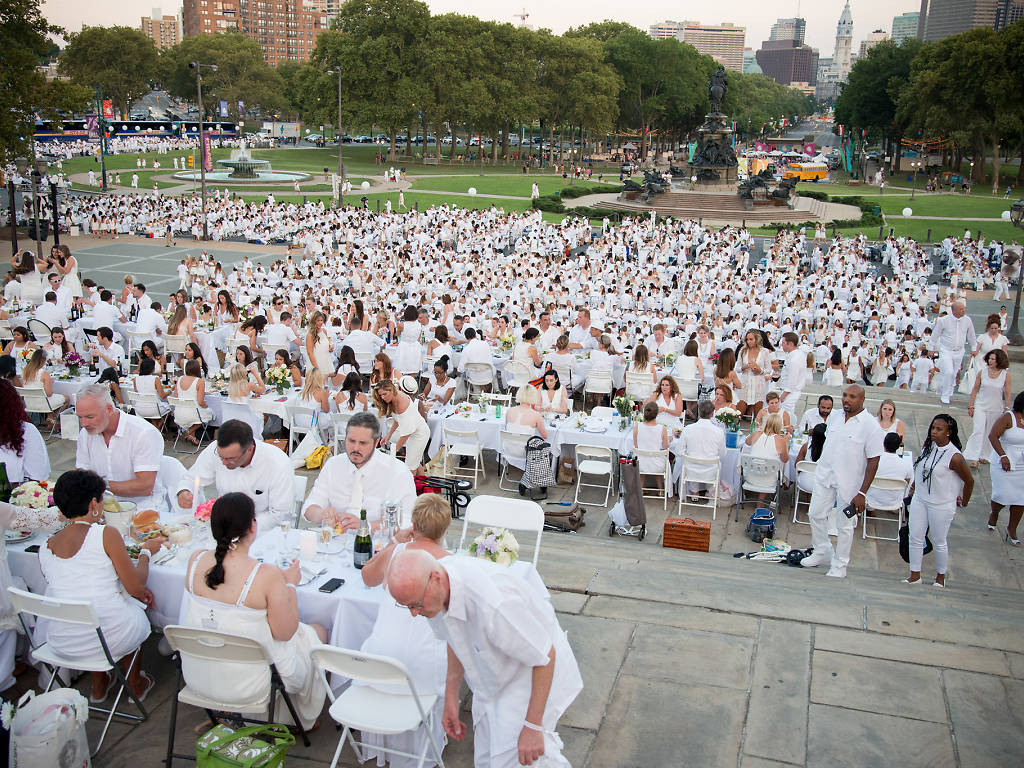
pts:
[711, 207]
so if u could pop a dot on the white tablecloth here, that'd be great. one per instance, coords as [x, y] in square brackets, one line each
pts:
[270, 404]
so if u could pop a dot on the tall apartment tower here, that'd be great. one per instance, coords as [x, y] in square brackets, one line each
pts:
[904, 26]
[164, 31]
[723, 42]
[841, 56]
[285, 29]
[942, 18]
[789, 29]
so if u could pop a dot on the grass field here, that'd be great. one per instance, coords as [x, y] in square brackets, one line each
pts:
[517, 185]
[919, 229]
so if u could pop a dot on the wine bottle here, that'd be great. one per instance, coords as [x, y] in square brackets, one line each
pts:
[5, 484]
[362, 550]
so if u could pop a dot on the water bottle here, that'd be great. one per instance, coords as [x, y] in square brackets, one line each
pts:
[497, 410]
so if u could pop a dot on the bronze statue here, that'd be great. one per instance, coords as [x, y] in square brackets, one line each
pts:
[718, 88]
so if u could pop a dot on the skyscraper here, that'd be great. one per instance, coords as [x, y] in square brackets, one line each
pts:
[904, 26]
[844, 45]
[285, 29]
[789, 29]
[869, 42]
[723, 42]
[1009, 12]
[665, 29]
[942, 18]
[788, 61]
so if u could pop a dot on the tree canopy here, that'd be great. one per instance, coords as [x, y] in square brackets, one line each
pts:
[120, 60]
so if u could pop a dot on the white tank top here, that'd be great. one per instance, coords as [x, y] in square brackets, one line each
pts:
[934, 480]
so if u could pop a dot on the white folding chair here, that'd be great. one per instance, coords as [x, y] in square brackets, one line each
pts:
[299, 484]
[501, 512]
[479, 377]
[148, 406]
[208, 646]
[513, 453]
[174, 344]
[76, 612]
[37, 401]
[664, 474]
[593, 460]
[463, 442]
[697, 470]
[885, 484]
[5, 331]
[186, 415]
[135, 339]
[808, 467]
[301, 420]
[760, 474]
[339, 423]
[562, 365]
[497, 397]
[242, 412]
[367, 709]
[603, 412]
[517, 374]
[689, 389]
[599, 384]
[638, 385]
[69, 426]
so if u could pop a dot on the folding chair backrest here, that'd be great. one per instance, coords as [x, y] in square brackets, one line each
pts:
[517, 373]
[186, 412]
[175, 344]
[145, 404]
[700, 460]
[888, 484]
[806, 466]
[39, 330]
[35, 399]
[598, 452]
[760, 467]
[300, 416]
[497, 397]
[603, 412]
[513, 443]
[501, 512]
[213, 645]
[689, 389]
[364, 667]
[242, 412]
[479, 373]
[70, 611]
[456, 435]
[638, 384]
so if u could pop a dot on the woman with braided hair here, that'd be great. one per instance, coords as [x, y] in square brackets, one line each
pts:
[228, 589]
[942, 482]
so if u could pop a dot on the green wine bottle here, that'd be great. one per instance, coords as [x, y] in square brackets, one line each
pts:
[5, 484]
[362, 550]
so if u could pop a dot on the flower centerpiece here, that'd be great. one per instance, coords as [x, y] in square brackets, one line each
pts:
[279, 377]
[36, 495]
[497, 545]
[624, 405]
[670, 359]
[73, 361]
[481, 402]
[507, 341]
[218, 379]
[203, 511]
[730, 417]
[25, 354]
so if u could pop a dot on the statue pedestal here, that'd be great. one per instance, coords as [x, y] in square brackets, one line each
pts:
[714, 161]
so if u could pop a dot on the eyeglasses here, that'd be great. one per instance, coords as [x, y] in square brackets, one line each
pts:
[233, 461]
[417, 606]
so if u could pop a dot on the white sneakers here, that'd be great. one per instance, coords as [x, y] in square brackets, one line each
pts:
[945, 399]
[836, 573]
[818, 557]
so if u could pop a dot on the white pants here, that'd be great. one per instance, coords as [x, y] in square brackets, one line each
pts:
[978, 444]
[789, 404]
[483, 758]
[823, 500]
[1002, 289]
[949, 365]
[934, 520]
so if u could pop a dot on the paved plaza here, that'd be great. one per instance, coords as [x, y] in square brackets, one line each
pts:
[700, 659]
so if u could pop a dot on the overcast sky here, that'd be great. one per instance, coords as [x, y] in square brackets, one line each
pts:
[756, 15]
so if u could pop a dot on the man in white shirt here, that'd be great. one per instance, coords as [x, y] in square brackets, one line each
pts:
[580, 336]
[123, 449]
[239, 462]
[140, 298]
[658, 343]
[106, 314]
[49, 313]
[361, 478]
[891, 466]
[794, 374]
[703, 439]
[504, 638]
[362, 343]
[952, 334]
[816, 416]
[548, 333]
[151, 321]
[107, 353]
[846, 467]
[281, 335]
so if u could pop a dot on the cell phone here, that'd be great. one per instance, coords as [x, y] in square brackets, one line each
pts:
[850, 510]
[332, 585]
[34, 549]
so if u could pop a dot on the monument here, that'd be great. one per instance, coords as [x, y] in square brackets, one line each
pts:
[714, 159]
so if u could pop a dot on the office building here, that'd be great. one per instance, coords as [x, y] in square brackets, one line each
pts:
[1009, 12]
[873, 39]
[285, 29]
[788, 61]
[942, 18]
[904, 26]
[723, 42]
[789, 29]
[665, 29]
[164, 31]
[750, 65]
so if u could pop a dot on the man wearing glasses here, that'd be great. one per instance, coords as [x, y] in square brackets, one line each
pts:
[504, 638]
[239, 462]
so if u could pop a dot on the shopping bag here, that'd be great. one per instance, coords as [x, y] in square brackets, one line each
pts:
[49, 729]
[258, 746]
[309, 443]
[539, 473]
[566, 469]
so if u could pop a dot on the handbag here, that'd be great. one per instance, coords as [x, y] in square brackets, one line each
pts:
[565, 520]
[258, 746]
[904, 543]
[316, 459]
[566, 469]
[538, 472]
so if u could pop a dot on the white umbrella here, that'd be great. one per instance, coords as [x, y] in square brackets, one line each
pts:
[629, 145]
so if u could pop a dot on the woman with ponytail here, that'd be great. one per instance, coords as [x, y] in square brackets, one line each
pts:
[227, 589]
[942, 482]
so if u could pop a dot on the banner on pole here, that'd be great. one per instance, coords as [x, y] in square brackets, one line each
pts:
[108, 109]
[241, 107]
[223, 108]
[207, 158]
[92, 126]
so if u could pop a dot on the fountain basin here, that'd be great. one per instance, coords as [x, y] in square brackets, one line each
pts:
[264, 177]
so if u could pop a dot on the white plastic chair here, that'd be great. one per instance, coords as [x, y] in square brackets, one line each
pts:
[638, 385]
[479, 377]
[301, 421]
[493, 398]
[36, 401]
[135, 339]
[186, 414]
[299, 485]
[885, 484]
[369, 710]
[228, 650]
[598, 383]
[242, 412]
[760, 474]
[513, 453]
[593, 460]
[148, 406]
[664, 474]
[501, 512]
[689, 389]
[808, 467]
[603, 412]
[463, 442]
[174, 344]
[38, 330]
[517, 374]
[69, 426]
[698, 467]
[76, 612]
[339, 423]
[562, 365]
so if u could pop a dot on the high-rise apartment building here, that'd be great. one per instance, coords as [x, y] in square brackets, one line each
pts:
[942, 18]
[789, 29]
[164, 31]
[285, 29]
[873, 39]
[723, 42]
[665, 29]
[788, 61]
[904, 26]
[1009, 12]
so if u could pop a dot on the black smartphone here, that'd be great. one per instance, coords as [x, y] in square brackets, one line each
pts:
[332, 585]
[850, 510]
[34, 549]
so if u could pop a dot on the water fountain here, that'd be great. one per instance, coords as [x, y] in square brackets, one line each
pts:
[244, 168]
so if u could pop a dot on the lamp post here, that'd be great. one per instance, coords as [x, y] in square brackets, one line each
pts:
[202, 140]
[341, 164]
[914, 165]
[1014, 334]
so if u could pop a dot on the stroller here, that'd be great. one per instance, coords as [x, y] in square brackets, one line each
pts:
[628, 516]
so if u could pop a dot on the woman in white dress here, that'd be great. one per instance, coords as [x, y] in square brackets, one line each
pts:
[651, 436]
[439, 390]
[229, 590]
[407, 423]
[439, 346]
[244, 358]
[881, 368]
[669, 401]
[351, 398]
[35, 376]
[835, 369]
[409, 353]
[942, 482]
[66, 264]
[1007, 469]
[400, 635]
[192, 387]
[753, 363]
[314, 395]
[903, 371]
[705, 350]
[525, 351]
[553, 398]
[32, 275]
[990, 399]
[22, 449]
[888, 422]
[993, 338]
[241, 387]
[642, 363]
[148, 383]
[87, 560]
[318, 344]
[688, 366]
[19, 343]
[854, 367]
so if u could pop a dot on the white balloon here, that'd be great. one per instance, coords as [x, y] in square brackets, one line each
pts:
[1006, 215]
[365, 185]
[472, 190]
[908, 212]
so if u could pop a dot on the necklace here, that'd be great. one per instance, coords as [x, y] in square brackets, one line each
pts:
[929, 470]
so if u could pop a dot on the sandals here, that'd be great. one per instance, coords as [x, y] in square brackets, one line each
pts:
[1009, 539]
[111, 679]
[150, 685]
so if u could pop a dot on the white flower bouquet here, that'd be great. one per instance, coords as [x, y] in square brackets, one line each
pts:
[36, 495]
[279, 377]
[728, 416]
[670, 359]
[218, 379]
[507, 341]
[497, 545]
[624, 405]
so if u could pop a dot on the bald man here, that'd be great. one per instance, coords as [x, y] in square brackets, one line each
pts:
[952, 334]
[503, 637]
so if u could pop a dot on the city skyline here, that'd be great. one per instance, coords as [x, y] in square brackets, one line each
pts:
[755, 15]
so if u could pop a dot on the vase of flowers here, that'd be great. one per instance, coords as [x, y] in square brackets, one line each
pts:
[624, 406]
[481, 402]
[279, 378]
[37, 495]
[73, 361]
[730, 417]
[670, 359]
[497, 545]
[507, 341]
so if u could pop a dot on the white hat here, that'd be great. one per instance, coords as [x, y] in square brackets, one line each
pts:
[409, 385]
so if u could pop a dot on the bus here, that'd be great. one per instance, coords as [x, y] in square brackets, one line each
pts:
[806, 171]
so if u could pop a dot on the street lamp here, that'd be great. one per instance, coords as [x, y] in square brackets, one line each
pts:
[341, 165]
[914, 165]
[202, 139]
[1014, 334]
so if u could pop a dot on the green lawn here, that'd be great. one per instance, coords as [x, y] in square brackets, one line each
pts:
[918, 229]
[517, 185]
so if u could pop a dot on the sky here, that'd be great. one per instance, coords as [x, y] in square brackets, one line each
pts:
[756, 15]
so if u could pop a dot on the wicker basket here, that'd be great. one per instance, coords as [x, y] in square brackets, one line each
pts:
[687, 533]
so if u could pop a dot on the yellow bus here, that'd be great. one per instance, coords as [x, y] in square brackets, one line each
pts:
[806, 171]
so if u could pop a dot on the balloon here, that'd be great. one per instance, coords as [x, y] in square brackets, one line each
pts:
[1006, 215]
[908, 212]
[365, 185]
[472, 190]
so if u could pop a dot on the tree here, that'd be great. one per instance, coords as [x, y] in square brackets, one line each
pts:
[120, 60]
[242, 74]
